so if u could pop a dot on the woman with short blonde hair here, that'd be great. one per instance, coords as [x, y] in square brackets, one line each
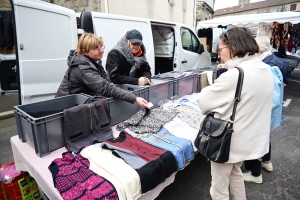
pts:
[86, 74]
[88, 41]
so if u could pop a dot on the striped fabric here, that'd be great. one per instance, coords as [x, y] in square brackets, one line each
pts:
[181, 148]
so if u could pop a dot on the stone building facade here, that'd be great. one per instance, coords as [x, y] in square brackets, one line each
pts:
[180, 11]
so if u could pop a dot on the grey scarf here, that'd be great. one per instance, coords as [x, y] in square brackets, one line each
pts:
[123, 47]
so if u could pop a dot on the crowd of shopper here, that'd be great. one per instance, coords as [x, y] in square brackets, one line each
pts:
[127, 63]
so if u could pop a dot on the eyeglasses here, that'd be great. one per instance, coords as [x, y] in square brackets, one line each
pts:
[220, 49]
[98, 49]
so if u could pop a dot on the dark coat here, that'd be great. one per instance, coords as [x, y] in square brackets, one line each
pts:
[284, 67]
[118, 69]
[89, 78]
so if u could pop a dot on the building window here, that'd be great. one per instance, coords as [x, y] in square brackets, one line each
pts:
[293, 7]
[273, 10]
[184, 5]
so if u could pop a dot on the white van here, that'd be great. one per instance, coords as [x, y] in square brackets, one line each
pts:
[45, 33]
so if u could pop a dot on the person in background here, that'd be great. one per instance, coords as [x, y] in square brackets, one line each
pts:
[86, 74]
[127, 63]
[218, 61]
[254, 166]
[6, 26]
[250, 139]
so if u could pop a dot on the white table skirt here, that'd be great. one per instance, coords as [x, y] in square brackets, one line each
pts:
[26, 160]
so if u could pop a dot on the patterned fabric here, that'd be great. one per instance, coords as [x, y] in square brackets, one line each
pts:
[5, 5]
[296, 34]
[147, 121]
[170, 106]
[264, 29]
[189, 115]
[181, 148]
[187, 109]
[123, 47]
[74, 180]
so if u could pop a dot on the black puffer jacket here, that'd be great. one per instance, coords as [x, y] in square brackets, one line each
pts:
[118, 69]
[86, 78]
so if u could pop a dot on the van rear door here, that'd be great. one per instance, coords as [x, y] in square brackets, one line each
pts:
[8, 73]
[45, 34]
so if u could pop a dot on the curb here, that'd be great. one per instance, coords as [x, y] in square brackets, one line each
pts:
[6, 115]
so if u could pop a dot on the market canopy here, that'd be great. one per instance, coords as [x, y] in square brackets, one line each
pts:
[251, 20]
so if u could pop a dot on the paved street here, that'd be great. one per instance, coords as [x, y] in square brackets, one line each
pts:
[194, 181]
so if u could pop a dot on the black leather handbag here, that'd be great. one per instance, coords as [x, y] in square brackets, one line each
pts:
[214, 137]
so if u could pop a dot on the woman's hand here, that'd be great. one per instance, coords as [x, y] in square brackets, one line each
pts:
[142, 102]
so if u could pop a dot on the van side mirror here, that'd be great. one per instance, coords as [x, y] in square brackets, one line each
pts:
[201, 49]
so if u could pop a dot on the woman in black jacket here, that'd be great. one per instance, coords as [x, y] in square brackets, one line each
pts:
[86, 74]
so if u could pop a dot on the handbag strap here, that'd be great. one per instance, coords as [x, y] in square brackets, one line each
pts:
[237, 96]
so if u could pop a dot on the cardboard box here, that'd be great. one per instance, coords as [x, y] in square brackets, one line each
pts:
[208, 48]
[209, 42]
[203, 40]
[6, 51]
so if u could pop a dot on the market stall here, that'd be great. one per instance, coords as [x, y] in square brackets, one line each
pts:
[26, 159]
[171, 126]
[255, 19]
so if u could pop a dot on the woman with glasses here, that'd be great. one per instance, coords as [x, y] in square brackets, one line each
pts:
[86, 74]
[127, 63]
[250, 139]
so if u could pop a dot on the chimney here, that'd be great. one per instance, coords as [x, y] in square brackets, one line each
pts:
[242, 3]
